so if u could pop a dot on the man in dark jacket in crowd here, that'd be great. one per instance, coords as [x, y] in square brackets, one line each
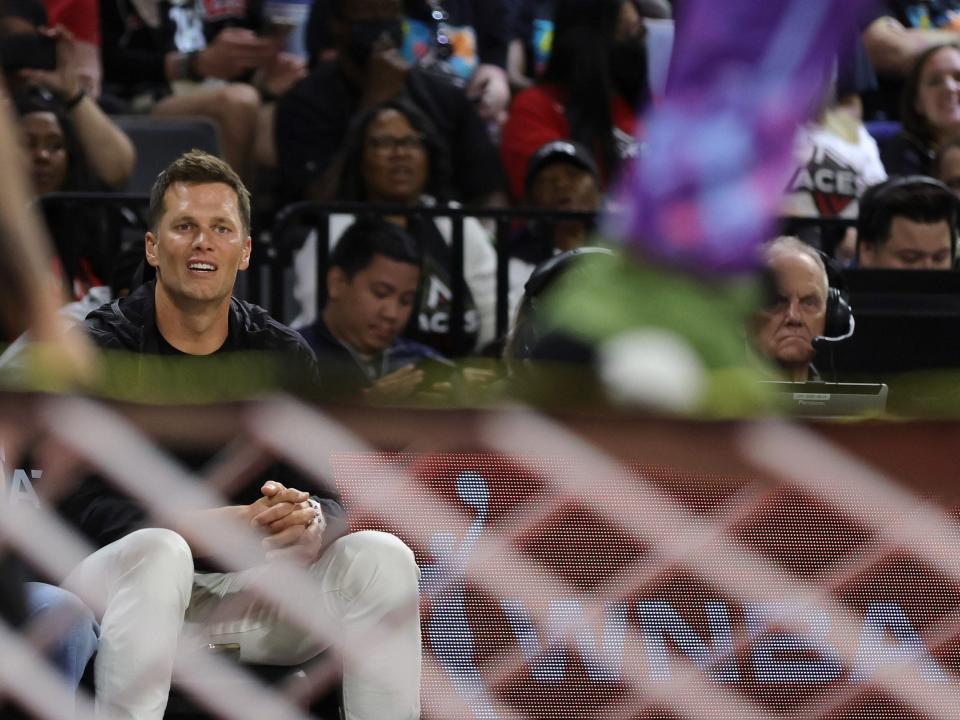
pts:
[144, 576]
[371, 291]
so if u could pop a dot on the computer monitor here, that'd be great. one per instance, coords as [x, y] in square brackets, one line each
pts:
[830, 400]
[906, 321]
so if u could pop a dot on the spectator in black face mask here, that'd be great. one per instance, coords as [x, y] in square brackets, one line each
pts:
[594, 85]
[312, 119]
[463, 40]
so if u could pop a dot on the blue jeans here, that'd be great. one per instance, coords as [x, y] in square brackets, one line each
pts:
[78, 643]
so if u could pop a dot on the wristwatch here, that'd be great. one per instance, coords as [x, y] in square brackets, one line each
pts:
[185, 66]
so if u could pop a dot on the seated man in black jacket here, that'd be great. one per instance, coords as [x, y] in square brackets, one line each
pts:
[371, 291]
[144, 576]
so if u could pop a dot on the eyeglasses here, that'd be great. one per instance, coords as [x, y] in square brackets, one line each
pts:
[388, 143]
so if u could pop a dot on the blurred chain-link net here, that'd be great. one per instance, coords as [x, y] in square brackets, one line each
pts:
[602, 567]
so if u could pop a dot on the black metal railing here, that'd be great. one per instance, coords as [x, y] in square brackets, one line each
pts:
[275, 249]
[287, 236]
[830, 230]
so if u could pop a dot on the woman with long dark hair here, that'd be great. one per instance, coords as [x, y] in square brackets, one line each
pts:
[930, 112]
[593, 87]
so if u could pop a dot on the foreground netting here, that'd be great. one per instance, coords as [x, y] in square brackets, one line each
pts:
[614, 567]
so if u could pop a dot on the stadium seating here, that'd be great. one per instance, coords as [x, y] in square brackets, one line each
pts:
[160, 140]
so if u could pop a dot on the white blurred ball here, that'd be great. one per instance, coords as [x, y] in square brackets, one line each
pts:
[652, 368]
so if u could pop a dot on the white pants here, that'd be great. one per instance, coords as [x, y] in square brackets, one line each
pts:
[146, 583]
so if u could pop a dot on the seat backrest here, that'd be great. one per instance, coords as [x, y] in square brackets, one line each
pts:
[883, 130]
[159, 140]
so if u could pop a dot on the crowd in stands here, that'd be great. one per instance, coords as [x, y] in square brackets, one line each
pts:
[407, 105]
[441, 103]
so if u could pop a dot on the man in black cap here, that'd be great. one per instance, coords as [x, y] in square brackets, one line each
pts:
[561, 176]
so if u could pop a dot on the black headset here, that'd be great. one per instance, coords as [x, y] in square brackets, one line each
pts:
[840, 322]
[872, 200]
[526, 333]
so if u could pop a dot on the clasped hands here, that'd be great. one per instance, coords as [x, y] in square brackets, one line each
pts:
[293, 526]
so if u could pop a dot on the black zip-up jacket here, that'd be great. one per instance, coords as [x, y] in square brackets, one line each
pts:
[102, 512]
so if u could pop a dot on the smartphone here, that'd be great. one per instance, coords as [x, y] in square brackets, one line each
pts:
[27, 50]
[437, 370]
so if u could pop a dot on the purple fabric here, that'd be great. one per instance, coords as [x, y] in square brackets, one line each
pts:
[743, 75]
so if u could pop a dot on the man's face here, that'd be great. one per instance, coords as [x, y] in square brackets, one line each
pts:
[911, 246]
[785, 331]
[564, 186]
[375, 305]
[200, 243]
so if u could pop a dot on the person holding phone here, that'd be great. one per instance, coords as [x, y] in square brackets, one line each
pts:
[40, 62]
[372, 284]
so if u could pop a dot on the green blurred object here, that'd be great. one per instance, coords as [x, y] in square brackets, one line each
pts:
[611, 296]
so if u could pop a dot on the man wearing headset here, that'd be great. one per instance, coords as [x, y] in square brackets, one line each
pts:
[907, 223]
[784, 331]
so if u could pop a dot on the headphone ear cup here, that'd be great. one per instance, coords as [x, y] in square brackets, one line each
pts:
[525, 333]
[839, 314]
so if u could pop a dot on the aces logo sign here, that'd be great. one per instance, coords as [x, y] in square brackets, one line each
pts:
[830, 183]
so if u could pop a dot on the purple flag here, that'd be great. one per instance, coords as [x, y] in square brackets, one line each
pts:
[743, 75]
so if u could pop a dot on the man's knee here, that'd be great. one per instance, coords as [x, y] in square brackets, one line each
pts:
[159, 552]
[65, 608]
[77, 627]
[158, 543]
[43, 597]
[238, 98]
[378, 562]
[79, 639]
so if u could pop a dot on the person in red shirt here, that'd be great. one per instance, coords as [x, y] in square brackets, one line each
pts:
[591, 91]
[82, 19]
